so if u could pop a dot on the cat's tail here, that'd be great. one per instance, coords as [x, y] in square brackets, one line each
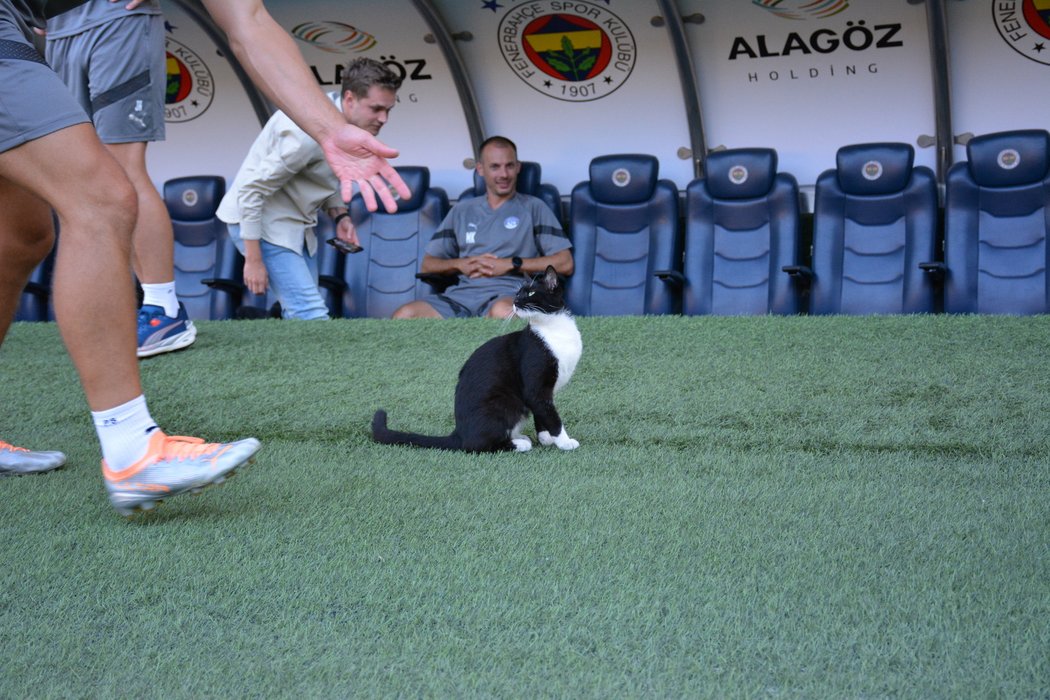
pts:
[380, 433]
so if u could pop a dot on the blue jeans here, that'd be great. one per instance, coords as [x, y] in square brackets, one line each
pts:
[292, 276]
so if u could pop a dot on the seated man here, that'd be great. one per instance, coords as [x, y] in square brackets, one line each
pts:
[271, 208]
[490, 242]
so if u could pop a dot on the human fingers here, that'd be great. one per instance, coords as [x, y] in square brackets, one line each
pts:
[347, 232]
[384, 192]
[393, 179]
[368, 194]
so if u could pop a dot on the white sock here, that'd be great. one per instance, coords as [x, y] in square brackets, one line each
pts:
[124, 432]
[162, 295]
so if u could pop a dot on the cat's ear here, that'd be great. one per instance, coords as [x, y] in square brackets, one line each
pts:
[550, 278]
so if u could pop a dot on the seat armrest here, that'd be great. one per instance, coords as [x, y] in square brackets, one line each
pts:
[674, 278]
[936, 270]
[36, 289]
[331, 282]
[438, 283]
[799, 271]
[225, 285]
[800, 274]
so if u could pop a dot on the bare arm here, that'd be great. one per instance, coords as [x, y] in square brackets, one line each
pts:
[562, 262]
[442, 266]
[489, 265]
[277, 68]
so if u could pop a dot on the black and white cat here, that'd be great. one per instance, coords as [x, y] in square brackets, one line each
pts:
[508, 377]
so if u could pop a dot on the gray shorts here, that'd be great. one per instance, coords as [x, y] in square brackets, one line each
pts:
[118, 73]
[470, 299]
[33, 101]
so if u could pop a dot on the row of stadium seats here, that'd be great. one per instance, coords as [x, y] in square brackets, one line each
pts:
[880, 242]
[731, 244]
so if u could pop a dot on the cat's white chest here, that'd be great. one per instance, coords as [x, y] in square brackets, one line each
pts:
[563, 339]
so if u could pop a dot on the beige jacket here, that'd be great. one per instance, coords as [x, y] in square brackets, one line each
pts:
[280, 186]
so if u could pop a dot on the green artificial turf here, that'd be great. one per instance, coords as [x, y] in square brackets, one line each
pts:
[762, 507]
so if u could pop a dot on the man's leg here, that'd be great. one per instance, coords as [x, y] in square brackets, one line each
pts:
[93, 292]
[153, 247]
[26, 236]
[416, 309]
[501, 308]
[293, 279]
[162, 323]
[94, 304]
[128, 115]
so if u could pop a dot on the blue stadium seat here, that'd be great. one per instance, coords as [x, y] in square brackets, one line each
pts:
[528, 183]
[874, 233]
[997, 219]
[203, 250]
[624, 227]
[35, 303]
[233, 300]
[741, 230]
[382, 277]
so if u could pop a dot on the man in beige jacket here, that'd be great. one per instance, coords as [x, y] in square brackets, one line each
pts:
[271, 207]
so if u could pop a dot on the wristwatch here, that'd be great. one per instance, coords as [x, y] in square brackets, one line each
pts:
[516, 262]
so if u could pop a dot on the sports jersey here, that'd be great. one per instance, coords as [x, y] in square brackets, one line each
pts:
[522, 226]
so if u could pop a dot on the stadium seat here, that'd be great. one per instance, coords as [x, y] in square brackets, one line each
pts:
[232, 296]
[528, 183]
[997, 220]
[382, 277]
[874, 233]
[624, 226]
[741, 230]
[203, 250]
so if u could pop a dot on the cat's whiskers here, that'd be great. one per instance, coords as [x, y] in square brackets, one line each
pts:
[507, 320]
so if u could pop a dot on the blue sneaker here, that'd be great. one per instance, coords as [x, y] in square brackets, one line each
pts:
[159, 332]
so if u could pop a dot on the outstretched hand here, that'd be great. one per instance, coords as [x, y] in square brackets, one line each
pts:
[359, 158]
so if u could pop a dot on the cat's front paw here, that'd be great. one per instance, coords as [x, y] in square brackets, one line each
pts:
[522, 444]
[566, 443]
[561, 440]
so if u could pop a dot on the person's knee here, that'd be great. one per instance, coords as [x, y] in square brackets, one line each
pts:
[110, 208]
[501, 308]
[404, 311]
[123, 204]
[415, 309]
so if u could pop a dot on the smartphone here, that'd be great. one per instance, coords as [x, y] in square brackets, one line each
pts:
[344, 247]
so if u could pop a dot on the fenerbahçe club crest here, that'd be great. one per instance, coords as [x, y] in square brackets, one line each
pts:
[573, 51]
[1025, 26]
[190, 88]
